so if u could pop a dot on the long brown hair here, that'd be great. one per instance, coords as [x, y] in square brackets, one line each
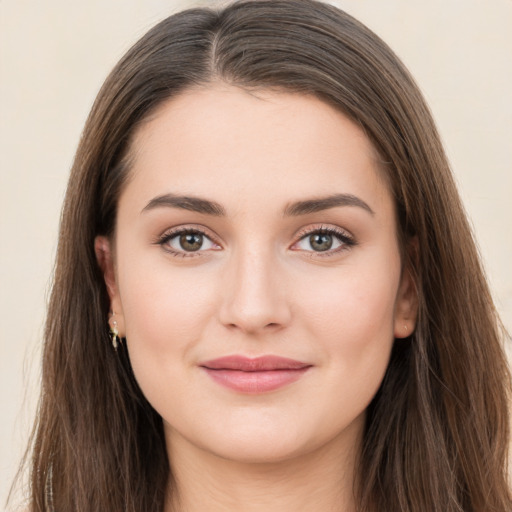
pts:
[437, 431]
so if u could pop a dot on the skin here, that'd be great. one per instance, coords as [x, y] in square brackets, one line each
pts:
[257, 286]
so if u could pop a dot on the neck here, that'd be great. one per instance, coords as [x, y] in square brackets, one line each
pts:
[322, 479]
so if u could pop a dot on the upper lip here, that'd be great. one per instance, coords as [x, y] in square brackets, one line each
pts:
[248, 364]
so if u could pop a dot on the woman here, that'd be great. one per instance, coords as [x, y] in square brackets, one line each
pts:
[261, 213]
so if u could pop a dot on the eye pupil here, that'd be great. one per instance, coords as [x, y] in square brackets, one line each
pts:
[191, 241]
[320, 241]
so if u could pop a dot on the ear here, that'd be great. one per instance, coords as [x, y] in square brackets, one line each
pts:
[406, 305]
[105, 257]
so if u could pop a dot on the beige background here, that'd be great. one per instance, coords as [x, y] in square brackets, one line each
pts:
[54, 56]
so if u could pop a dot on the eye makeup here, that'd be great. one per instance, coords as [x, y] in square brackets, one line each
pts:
[193, 241]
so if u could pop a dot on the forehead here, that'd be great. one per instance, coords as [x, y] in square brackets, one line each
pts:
[263, 147]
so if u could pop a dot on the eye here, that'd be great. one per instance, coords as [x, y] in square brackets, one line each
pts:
[185, 242]
[324, 240]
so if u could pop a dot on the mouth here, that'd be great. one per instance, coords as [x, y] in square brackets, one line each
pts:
[254, 375]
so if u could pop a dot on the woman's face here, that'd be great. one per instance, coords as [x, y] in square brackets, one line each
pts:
[256, 226]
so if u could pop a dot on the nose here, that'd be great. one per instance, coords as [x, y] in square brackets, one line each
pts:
[255, 298]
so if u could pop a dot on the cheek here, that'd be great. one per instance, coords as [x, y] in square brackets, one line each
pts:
[166, 309]
[356, 307]
[166, 313]
[352, 325]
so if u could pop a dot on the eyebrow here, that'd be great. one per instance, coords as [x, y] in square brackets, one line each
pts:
[193, 204]
[295, 209]
[325, 203]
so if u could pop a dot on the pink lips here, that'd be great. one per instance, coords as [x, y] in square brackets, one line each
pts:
[254, 375]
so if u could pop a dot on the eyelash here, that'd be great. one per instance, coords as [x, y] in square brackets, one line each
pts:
[168, 236]
[347, 241]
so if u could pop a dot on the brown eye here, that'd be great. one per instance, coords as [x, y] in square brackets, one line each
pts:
[186, 242]
[191, 241]
[325, 240]
[320, 242]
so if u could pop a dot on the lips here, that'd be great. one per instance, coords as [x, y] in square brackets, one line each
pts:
[246, 364]
[255, 375]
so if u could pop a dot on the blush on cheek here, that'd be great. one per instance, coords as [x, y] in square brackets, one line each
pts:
[356, 305]
[355, 324]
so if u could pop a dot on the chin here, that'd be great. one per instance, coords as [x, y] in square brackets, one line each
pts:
[263, 449]
[271, 442]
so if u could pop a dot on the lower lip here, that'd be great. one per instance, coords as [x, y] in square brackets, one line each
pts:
[255, 382]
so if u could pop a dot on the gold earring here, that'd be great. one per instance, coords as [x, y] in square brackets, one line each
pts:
[114, 332]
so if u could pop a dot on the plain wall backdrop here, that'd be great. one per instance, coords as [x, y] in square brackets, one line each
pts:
[54, 56]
